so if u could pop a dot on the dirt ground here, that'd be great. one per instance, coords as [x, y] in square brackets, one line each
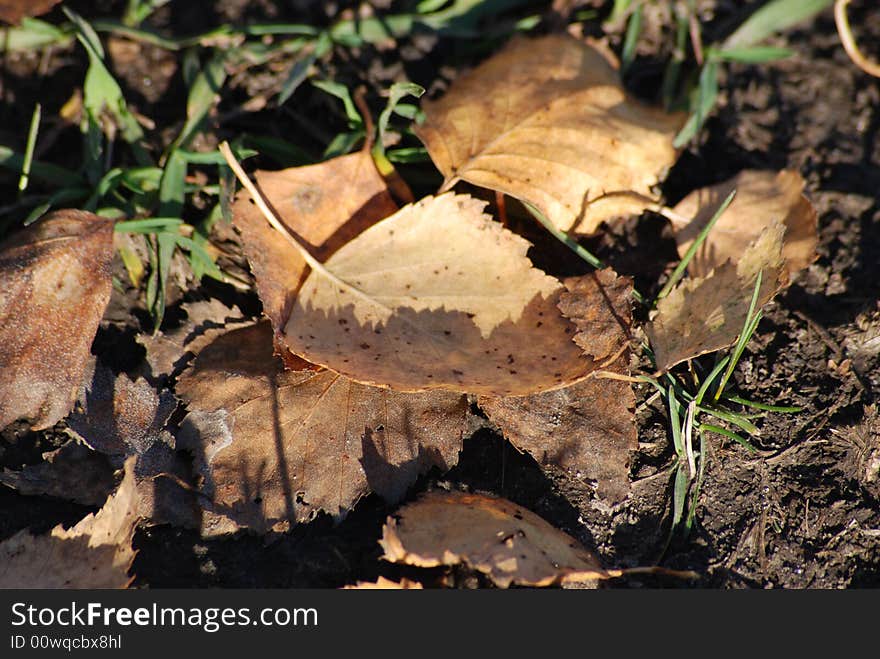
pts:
[799, 514]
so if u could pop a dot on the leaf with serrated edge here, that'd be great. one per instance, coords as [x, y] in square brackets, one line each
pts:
[702, 315]
[586, 428]
[761, 197]
[547, 121]
[443, 298]
[274, 446]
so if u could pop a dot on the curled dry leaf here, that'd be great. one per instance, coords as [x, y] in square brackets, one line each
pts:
[324, 206]
[495, 536]
[386, 584]
[761, 198]
[96, 553]
[443, 298]
[275, 445]
[12, 11]
[706, 314]
[547, 121]
[54, 286]
[587, 428]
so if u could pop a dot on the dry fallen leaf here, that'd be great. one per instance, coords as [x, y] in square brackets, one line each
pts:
[120, 417]
[73, 472]
[54, 286]
[587, 428]
[547, 121]
[12, 11]
[324, 205]
[495, 536]
[96, 553]
[761, 198]
[169, 352]
[385, 584]
[706, 314]
[274, 445]
[444, 298]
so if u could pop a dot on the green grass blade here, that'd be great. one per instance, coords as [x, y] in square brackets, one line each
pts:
[27, 161]
[341, 92]
[752, 54]
[398, 91]
[680, 269]
[203, 95]
[695, 496]
[707, 94]
[775, 16]
[679, 494]
[149, 225]
[724, 432]
[707, 382]
[34, 34]
[749, 327]
[675, 420]
[731, 417]
[631, 39]
[44, 171]
[763, 406]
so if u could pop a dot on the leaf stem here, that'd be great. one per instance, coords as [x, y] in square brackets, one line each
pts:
[270, 216]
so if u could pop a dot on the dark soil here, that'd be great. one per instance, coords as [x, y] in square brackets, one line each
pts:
[796, 515]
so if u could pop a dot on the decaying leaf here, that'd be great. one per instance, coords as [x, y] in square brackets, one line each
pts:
[54, 287]
[12, 11]
[702, 315]
[495, 536]
[169, 352]
[428, 312]
[547, 121]
[762, 197]
[587, 428]
[275, 445]
[386, 584]
[120, 417]
[324, 205]
[96, 553]
[72, 472]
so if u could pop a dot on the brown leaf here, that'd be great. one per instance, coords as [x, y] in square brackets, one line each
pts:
[275, 445]
[121, 417]
[587, 428]
[72, 472]
[324, 205]
[54, 287]
[12, 11]
[96, 553]
[547, 121]
[169, 352]
[385, 584]
[430, 312]
[702, 315]
[489, 534]
[761, 198]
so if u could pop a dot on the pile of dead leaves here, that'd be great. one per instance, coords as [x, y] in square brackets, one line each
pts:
[384, 326]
